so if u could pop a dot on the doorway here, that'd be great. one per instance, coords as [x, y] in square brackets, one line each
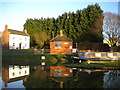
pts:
[20, 45]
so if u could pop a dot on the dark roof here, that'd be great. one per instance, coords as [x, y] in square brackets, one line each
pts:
[61, 38]
[17, 78]
[17, 32]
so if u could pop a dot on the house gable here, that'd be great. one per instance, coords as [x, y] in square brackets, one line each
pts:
[61, 44]
[13, 39]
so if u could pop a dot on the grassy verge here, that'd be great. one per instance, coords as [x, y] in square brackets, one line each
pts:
[27, 57]
[109, 65]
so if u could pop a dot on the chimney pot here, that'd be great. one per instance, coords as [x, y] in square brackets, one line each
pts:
[6, 26]
[61, 33]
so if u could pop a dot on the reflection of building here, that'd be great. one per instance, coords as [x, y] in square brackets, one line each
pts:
[14, 73]
[60, 71]
[12, 39]
[60, 74]
[0, 41]
[61, 44]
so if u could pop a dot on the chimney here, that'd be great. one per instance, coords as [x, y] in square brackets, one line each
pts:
[61, 33]
[6, 27]
[5, 85]
[25, 30]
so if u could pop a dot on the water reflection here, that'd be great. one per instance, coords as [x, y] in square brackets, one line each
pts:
[59, 77]
[83, 79]
[60, 74]
[38, 79]
[13, 73]
[60, 71]
[112, 79]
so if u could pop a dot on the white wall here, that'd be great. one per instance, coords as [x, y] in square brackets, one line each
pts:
[17, 39]
[16, 71]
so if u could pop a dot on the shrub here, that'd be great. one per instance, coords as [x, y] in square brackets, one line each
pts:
[105, 47]
[93, 46]
[115, 48]
[85, 46]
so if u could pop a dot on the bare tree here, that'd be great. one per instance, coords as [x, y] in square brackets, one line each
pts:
[111, 28]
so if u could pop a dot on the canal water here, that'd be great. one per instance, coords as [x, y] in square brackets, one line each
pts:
[37, 76]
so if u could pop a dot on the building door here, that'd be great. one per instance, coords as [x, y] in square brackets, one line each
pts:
[20, 45]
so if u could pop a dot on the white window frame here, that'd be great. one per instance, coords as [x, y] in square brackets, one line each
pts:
[58, 45]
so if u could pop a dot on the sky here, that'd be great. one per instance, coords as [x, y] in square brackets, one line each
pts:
[14, 13]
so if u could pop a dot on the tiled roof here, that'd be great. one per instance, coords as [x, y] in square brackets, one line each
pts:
[17, 78]
[17, 32]
[61, 38]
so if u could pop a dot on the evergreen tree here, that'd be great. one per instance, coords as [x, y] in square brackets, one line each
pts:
[81, 26]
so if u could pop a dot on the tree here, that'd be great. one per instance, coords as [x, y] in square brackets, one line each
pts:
[111, 28]
[80, 26]
[95, 21]
[41, 38]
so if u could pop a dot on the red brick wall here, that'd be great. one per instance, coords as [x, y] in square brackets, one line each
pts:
[5, 38]
[65, 49]
[65, 71]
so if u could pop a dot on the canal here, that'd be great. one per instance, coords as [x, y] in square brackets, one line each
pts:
[37, 76]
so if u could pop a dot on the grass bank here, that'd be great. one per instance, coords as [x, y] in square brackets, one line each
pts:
[27, 57]
[108, 65]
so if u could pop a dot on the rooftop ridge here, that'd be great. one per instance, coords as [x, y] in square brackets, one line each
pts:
[17, 32]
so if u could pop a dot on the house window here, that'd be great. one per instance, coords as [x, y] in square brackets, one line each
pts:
[58, 45]
[25, 45]
[19, 72]
[57, 73]
[13, 38]
[25, 71]
[13, 67]
[25, 39]
[13, 74]
[20, 67]
[13, 44]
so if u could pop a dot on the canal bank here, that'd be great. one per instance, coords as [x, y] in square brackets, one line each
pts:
[107, 66]
[29, 58]
[55, 62]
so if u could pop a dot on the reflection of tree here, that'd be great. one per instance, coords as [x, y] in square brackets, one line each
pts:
[41, 79]
[37, 79]
[85, 80]
[112, 79]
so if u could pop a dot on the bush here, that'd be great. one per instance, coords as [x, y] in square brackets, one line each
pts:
[101, 47]
[85, 46]
[105, 47]
[93, 46]
[115, 48]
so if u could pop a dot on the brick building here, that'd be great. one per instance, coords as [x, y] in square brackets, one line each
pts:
[61, 44]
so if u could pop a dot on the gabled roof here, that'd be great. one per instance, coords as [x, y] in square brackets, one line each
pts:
[17, 78]
[17, 32]
[61, 38]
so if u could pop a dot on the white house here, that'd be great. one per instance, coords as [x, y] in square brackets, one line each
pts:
[18, 71]
[13, 39]
[14, 73]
